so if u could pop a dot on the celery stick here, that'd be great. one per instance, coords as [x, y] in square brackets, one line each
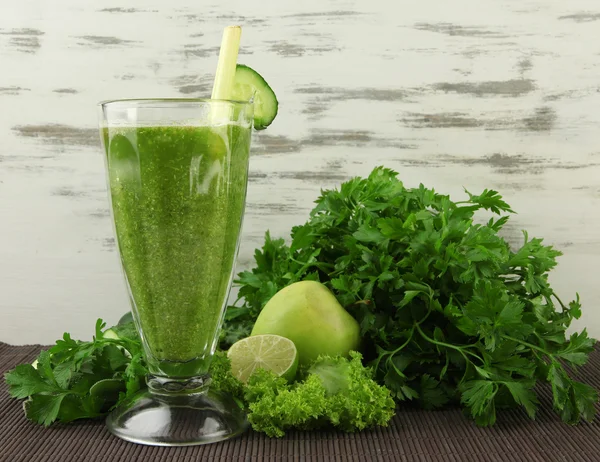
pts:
[225, 74]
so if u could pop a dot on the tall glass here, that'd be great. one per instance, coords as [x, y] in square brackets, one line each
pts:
[177, 174]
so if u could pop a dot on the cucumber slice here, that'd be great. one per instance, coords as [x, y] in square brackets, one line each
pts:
[110, 333]
[248, 84]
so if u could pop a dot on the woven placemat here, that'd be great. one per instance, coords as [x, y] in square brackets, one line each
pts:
[413, 435]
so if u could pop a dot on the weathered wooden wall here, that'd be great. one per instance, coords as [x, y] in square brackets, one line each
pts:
[476, 93]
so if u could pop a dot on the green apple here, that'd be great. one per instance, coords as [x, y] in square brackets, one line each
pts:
[309, 315]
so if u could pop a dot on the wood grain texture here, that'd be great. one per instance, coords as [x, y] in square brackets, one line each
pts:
[473, 93]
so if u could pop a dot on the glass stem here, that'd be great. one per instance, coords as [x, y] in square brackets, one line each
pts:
[161, 385]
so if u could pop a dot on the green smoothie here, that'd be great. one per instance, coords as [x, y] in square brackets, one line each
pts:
[178, 195]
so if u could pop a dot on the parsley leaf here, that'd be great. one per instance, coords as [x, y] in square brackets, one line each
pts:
[25, 380]
[44, 409]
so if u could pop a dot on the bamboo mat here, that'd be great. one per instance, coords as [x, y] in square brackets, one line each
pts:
[413, 435]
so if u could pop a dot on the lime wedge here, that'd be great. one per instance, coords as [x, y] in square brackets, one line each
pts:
[271, 352]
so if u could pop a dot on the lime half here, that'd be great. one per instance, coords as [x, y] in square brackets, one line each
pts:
[271, 352]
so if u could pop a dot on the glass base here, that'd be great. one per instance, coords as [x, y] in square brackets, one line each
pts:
[177, 419]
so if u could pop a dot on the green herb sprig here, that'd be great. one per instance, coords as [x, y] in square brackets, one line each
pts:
[76, 380]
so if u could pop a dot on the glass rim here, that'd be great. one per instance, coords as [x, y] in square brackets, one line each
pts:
[165, 102]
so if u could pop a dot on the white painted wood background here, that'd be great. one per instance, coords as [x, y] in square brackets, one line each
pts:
[476, 93]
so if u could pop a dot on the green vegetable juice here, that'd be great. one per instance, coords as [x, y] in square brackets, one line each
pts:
[178, 195]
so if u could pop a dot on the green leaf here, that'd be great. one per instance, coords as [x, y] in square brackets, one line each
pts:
[478, 396]
[490, 200]
[523, 395]
[578, 349]
[250, 279]
[106, 392]
[234, 312]
[43, 409]
[100, 325]
[586, 397]
[543, 311]
[511, 314]
[134, 375]
[410, 222]
[115, 358]
[467, 326]
[518, 365]
[391, 228]
[432, 395]
[497, 224]
[72, 408]
[560, 385]
[409, 393]
[487, 417]
[44, 367]
[63, 346]
[482, 372]
[63, 374]
[409, 295]
[303, 236]
[367, 233]
[24, 380]
[575, 308]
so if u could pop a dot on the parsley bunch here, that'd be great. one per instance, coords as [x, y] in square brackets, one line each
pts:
[448, 311]
[77, 380]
